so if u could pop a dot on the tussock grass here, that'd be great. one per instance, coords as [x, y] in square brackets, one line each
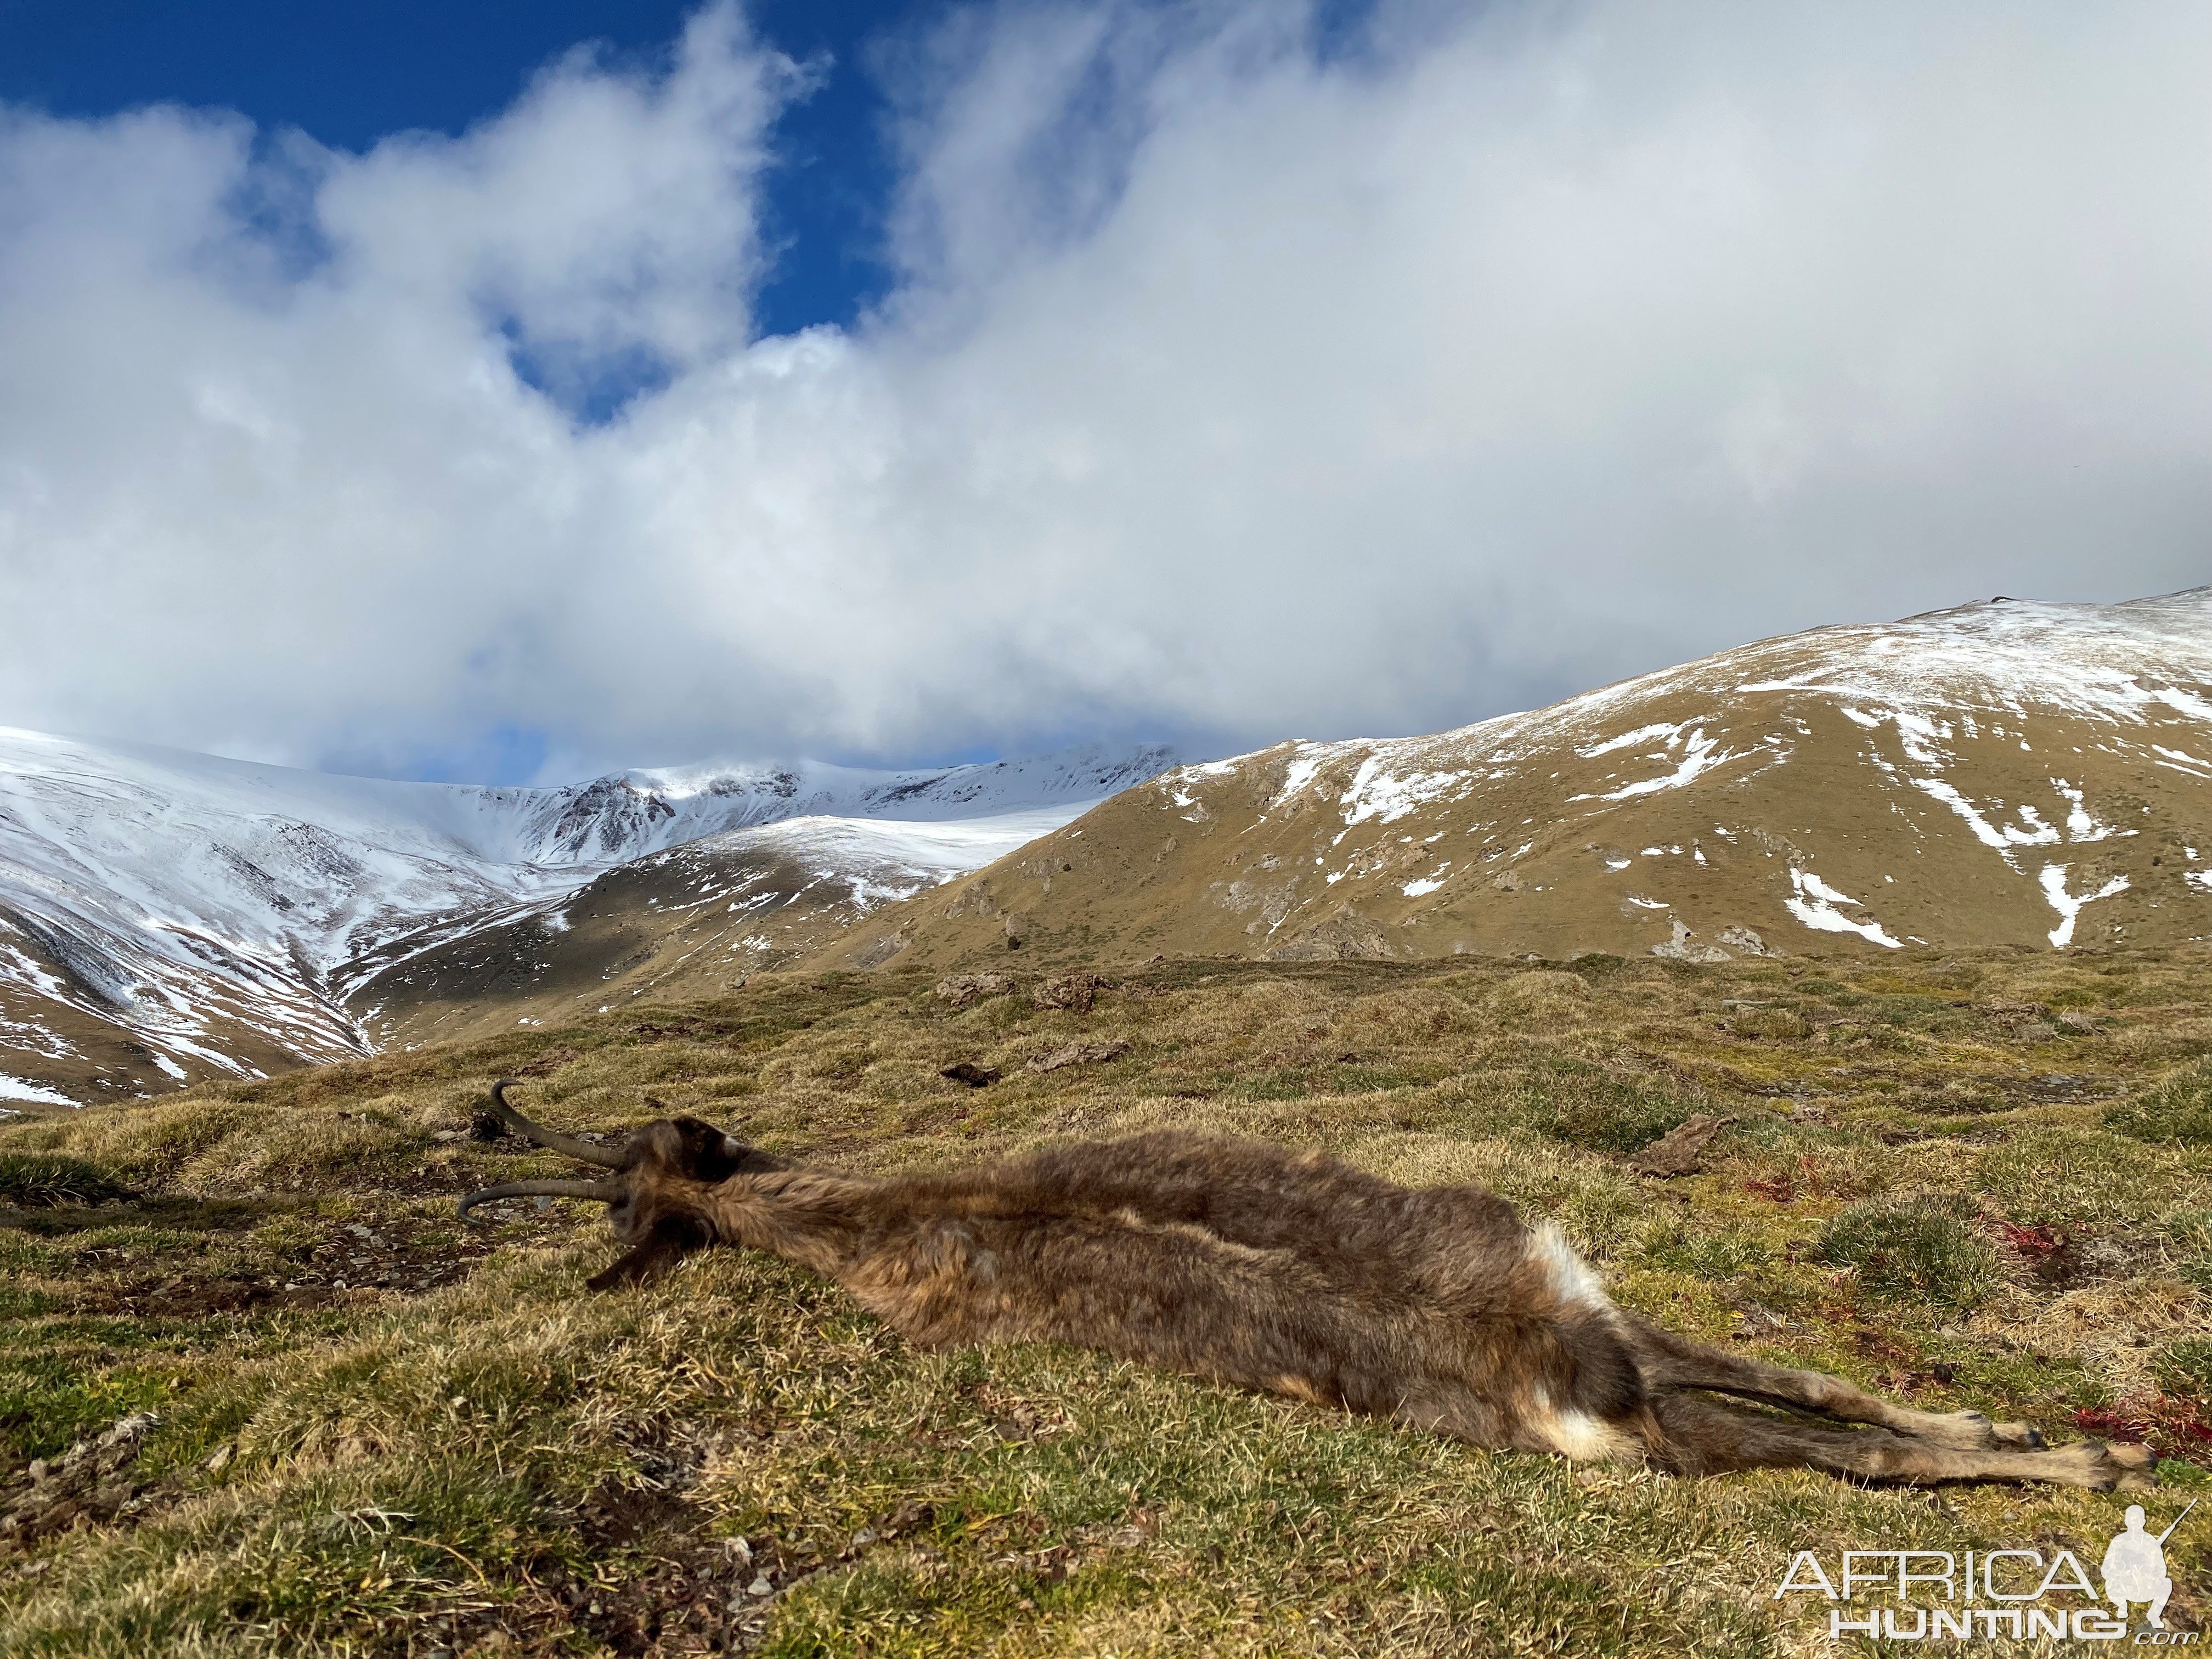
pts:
[45, 1179]
[383, 1433]
[1915, 1252]
[2178, 1107]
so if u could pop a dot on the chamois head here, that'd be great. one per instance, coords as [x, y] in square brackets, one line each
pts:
[652, 1198]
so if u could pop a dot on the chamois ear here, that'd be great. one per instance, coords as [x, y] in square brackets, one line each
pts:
[671, 1239]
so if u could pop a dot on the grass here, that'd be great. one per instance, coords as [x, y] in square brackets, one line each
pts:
[2178, 1109]
[1912, 1253]
[382, 1433]
[34, 1179]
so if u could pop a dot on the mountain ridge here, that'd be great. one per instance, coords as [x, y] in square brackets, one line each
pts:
[1773, 795]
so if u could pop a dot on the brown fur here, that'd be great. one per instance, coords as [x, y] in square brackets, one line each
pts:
[1292, 1273]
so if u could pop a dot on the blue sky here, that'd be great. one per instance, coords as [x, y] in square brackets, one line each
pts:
[1045, 370]
[349, 72]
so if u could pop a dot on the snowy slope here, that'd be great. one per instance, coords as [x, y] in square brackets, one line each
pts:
[212, 909]
[2004, 773]
[690, 921]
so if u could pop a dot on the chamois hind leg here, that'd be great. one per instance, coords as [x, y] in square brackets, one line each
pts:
[1669, 1361]
[1705, 1436]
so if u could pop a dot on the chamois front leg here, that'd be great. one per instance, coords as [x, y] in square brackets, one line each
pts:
[666, 1241]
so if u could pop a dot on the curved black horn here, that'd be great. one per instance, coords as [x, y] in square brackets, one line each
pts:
[582, 1150]
[605, 1191]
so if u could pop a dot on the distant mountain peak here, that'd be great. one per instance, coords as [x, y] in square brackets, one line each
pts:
[207, 913]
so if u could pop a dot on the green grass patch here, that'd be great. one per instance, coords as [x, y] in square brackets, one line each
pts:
[1912, 1253]
[2178, 1108]
[48, 1400]
[45, 1180]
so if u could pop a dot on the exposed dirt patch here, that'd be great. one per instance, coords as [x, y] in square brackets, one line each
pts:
[89, 1484]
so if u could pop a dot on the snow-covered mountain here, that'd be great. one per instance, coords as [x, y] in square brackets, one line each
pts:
[690, 921]
[2005, 773]
[170, 913]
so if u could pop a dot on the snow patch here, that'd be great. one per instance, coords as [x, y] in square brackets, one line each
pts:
[1813, 902]
[1965, 809]
[1377, 793]
[1304, 763]
[2080, 826]
[1700, 755]
[1626, 739]
[2069, 906]
[16, 1088]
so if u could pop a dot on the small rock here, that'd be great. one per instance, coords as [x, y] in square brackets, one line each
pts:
[760, 1586]
[1078, 1054]
[1074, 991]
[1681, 1151]
[1679, 949]
[960, 989]
[219, 1459]
[1744, 941]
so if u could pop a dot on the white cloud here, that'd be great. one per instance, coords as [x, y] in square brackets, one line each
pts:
[1226, 394]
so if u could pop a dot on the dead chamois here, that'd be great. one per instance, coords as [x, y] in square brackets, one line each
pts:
[1290, 1272]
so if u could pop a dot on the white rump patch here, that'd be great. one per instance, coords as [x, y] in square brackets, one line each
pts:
[1584, 1438]
[1579, 1435]
[1572, 1279]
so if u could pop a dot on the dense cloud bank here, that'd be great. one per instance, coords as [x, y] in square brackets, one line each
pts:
[1229, 389]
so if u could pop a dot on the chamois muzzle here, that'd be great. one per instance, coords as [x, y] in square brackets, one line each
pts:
[607, 1192]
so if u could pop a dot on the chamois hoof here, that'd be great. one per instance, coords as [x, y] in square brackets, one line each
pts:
[2100, 1467]
[2138, 1467]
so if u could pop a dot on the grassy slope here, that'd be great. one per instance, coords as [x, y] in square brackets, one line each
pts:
[458, 1449]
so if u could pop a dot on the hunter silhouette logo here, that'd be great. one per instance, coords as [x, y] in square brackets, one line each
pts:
[2135, 1567]
[1926, 1594]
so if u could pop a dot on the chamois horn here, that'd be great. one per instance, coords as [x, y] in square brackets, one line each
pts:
[606, 1191]
[582, 1150]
